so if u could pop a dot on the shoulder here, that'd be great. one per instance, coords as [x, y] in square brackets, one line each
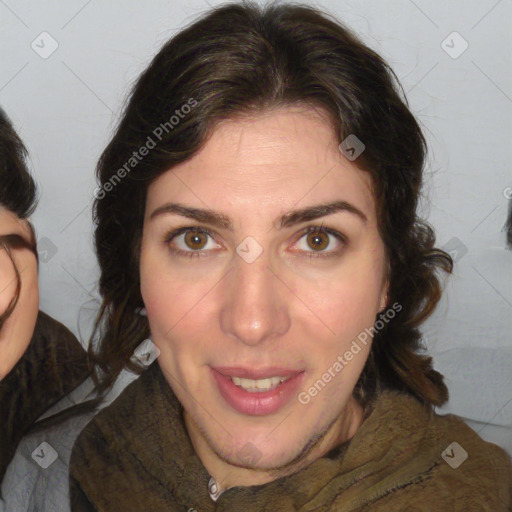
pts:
[470, 470]
[37, 478]
[116, 421]
[57, 338]
[52, 366]
[450, 465]
[117, 450]
[55, 359]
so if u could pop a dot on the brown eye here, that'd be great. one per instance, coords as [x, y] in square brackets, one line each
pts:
[195, 239]
[318, 240]
[191, 242]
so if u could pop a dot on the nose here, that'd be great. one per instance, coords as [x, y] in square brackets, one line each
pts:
[254, 308]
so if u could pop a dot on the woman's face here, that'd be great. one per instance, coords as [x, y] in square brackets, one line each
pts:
[251, 298]
[18, 329]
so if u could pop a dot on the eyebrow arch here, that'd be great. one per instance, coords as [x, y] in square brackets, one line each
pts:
[286, 220]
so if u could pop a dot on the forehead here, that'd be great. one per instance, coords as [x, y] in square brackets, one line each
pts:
[276, 159]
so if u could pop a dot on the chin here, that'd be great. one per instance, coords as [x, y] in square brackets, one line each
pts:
[264, 449]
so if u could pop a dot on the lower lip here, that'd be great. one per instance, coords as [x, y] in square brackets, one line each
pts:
[257, 403]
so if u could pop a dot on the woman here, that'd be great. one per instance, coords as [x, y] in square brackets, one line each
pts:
[40, 360]
[256, 220]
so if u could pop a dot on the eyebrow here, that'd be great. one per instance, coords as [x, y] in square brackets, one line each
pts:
[286, 220]
[16, 241]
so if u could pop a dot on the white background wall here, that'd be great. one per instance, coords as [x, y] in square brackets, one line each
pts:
[65, 107]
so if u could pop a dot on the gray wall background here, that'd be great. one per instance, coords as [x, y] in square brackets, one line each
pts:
[65, 106]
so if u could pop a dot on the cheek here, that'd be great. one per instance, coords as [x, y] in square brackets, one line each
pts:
[351, 299]
[158, 295]
[168, 297]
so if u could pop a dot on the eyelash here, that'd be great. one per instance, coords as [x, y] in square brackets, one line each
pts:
[169, 237]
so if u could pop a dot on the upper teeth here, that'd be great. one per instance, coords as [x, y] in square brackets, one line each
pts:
[258, 385]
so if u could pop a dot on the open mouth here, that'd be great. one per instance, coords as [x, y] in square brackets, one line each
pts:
[257, 392]
[259, 385]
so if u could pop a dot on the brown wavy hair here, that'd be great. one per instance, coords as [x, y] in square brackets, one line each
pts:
[241, 59]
